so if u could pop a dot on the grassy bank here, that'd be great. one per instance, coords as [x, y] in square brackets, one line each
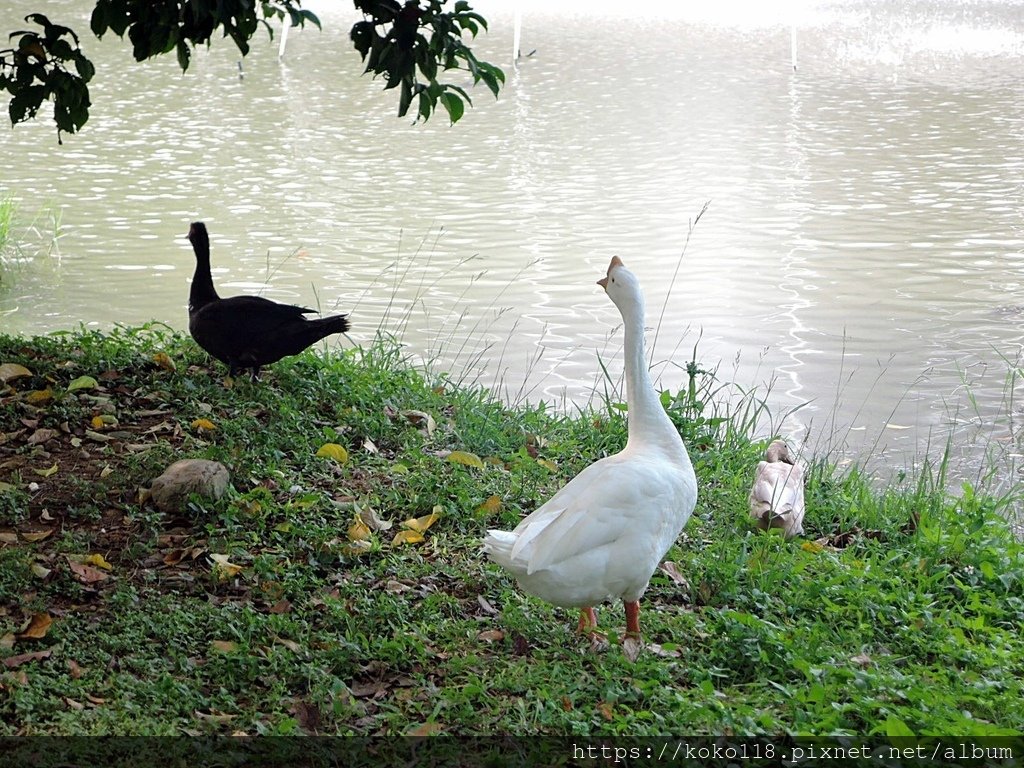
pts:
[269, 611]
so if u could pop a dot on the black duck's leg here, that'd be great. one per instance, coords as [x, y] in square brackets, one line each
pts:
[255, 373]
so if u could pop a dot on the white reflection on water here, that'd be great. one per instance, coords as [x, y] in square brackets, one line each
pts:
[863, 248]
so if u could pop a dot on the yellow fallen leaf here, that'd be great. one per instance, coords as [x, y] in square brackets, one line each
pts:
[202, 424]
[40, 571]
[39, 396]
[407, 536]
[33, 536]
[163, 360]
[98, 560]
[38, 627]
[422, 523]
[467, 458]
[358, 531]
[333, 451]
[83, 382]
[223, 568]
[427, 729]
[490, 506]
[224, 646]
[12, 371]
[548, 464]
[399, 469]
[46, 472]
[811, 546]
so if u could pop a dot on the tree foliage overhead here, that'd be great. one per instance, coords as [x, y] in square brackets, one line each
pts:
[408, 45]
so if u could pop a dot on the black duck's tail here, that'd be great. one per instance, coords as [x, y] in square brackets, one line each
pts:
[325, 326]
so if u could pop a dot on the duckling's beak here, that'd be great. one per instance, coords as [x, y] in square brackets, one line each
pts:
[616, 262]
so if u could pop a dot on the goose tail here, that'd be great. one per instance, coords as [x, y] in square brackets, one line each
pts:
[498, 546]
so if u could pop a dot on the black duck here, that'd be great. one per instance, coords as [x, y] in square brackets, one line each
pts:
[247, 332]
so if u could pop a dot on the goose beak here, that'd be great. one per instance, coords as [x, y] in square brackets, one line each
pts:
[616, 262]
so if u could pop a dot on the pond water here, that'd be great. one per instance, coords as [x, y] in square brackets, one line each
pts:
[861, 258]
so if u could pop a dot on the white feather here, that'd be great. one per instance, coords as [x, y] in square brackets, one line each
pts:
[777, 495]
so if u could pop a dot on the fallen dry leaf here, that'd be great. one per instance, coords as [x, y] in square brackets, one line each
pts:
[291, 645]
[491, 506]
[358, 531]
[307, 714]
[672, 570]
[12, 371]
[490, 635]
[74, 669]
[281, 606]
[213, 716]
[224, 646]
[606, 710]
[421, 420]
[12, 662]
[37, 627]
[34, 536]
[39, 396]
[40, 571]
[223, 568]
[659, 650]
[427, 729]
[370, 517]
[486, 606]
[41, 435]
[632, 647]
[203, 425]
[548, 464]
[164, 360]
[174, 556]
[46, 472]
[407, 536]
[86, 574]
[422, 523]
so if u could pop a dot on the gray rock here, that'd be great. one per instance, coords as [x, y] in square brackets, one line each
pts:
[171, 490]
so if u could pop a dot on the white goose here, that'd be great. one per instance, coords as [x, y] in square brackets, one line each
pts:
[777, 496]
[603, 534]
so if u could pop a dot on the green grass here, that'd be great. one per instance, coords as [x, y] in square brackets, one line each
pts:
[907, 618]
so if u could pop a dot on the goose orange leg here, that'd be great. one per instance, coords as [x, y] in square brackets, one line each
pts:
[632, 618]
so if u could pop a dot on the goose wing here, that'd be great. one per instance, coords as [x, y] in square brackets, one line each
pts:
[608, 503]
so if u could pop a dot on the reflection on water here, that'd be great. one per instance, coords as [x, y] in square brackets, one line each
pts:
[863, 249]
